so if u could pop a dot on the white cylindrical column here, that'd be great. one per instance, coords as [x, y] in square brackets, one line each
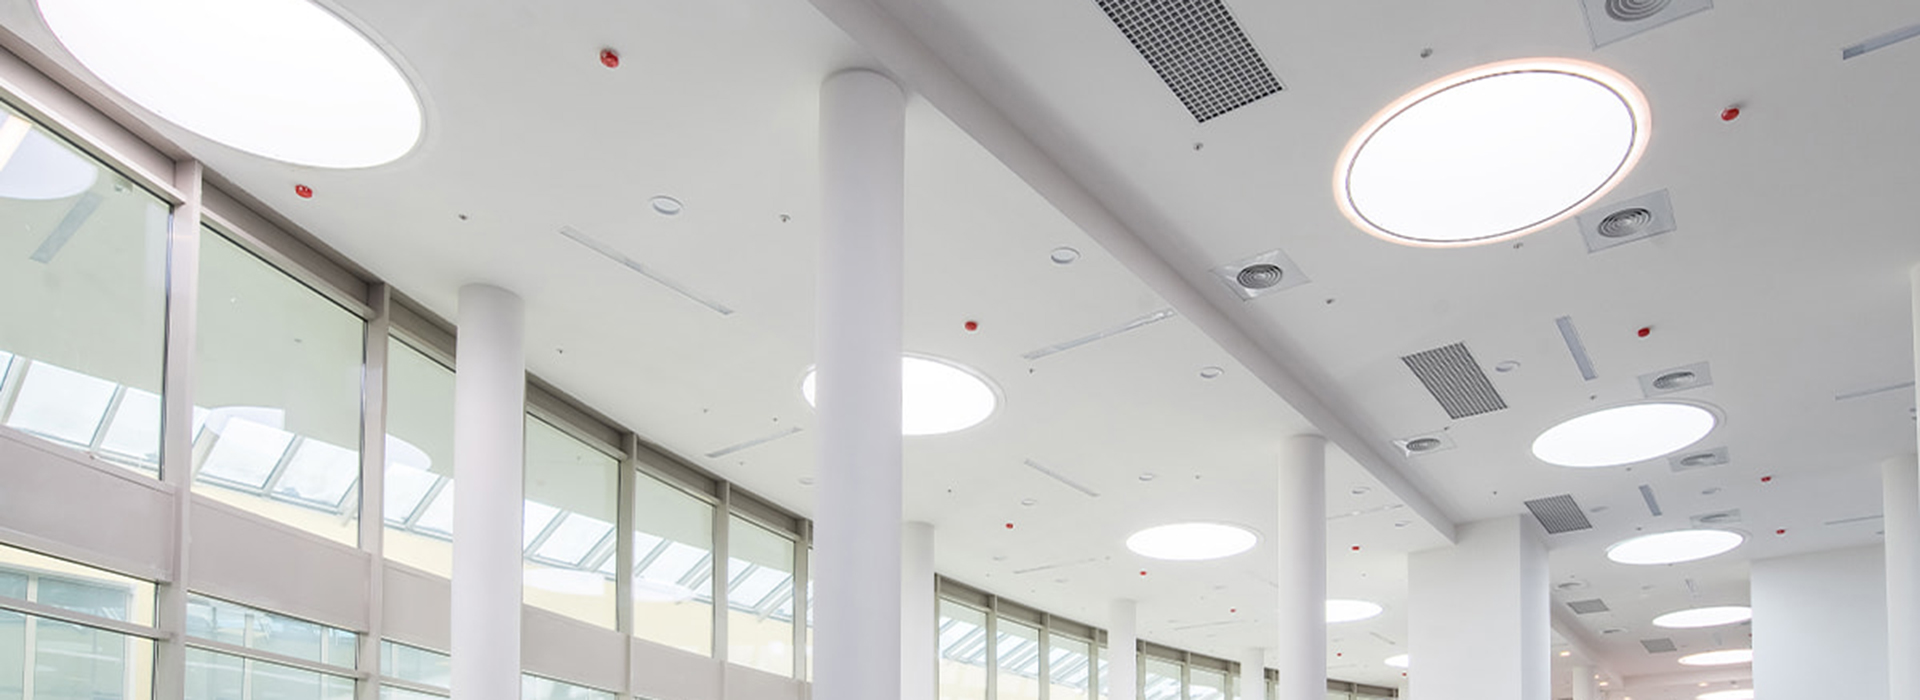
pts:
[919, 615]
[1479, 617]
[857, 396]
[1584, 687]
[489, 436]
[1300, 536]
[1123, 645]
[1253, 674]
[1901, 504]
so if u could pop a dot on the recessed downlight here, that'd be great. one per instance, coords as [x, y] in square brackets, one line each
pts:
[666, 205]
[1396, 661]
[1704, 617]
[1674, 547]
[1724, 657]
[282, 79]
[1740, 694]
[1339, 611]
[1624, 434]
[938, 396]
[1192, 541]
[1492, 153]
[1064, 255]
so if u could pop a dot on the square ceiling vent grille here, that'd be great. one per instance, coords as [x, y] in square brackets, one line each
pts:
[1613, 20]
[1636, 219]
[1198, 50]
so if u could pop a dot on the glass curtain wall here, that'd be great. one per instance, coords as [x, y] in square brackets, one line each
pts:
[47, 659]
[760, 597]
[413, 673]
[672, 566]
[419, 459]
[572, 493]
[963, 652]
[83, 255]
[278, 395]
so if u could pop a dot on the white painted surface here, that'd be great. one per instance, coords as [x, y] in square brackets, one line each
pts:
[1123, 661]
[863, 163]
[919, 615]
[489, 434]
[1585, 687]
[1300, 538]
[1253, 674]
[1478, 619]
[1816, 620]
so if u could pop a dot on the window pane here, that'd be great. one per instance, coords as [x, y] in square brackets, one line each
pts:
[239, 625]
[72, 662]
[216, 676]
[279, 367]
[1018, 648]
[1206, 684]
[582, 483]
[74, 587]
[133, 433]
[213, 676]
[759, 598]
[388, 692]
[13, 651]
[89, 250]
[672, 555]
[963, 652]
[1162, 680]
[1068, 666]
[410, 663]
[419, 457]
[537, 688]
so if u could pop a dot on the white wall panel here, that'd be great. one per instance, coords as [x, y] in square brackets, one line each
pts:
[1820, 626]
[242, 557]
[65, 503]
[563, 648]
[664, 673]
[419, 608]
[744, 683]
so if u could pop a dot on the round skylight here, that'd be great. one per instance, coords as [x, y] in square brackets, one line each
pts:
[1704, 617]
[283, 79]
[1492, 153]
[1192, 541]
[939, 396]
[1741, 694]
[34, 166]
[1351, 610]
[1396, 661]
[1724, 657]
[1624, 434]
[1674, 547]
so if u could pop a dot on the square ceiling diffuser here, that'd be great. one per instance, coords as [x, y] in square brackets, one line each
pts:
[1613, 20]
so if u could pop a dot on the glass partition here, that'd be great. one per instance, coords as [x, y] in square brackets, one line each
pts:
[572, 497]
[415, 665]
[279, 369]
[1206, 684]
[1162, 679]
[89, 249]
[1069, 663]
[1017, 646]
[419, 457]
[673, 566]
[963, 652]
[242, 626]
[759, 598]
[538, 688]
[46, 659]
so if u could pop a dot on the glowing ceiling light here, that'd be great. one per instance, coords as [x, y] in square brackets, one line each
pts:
[1396, 661]
[283, 79]
[937, 396]
[1624, 434]
[1351, 610]
[1704, 617]
[1192, 541]
[1724, 657]
[1674, 547]
[1492, 153]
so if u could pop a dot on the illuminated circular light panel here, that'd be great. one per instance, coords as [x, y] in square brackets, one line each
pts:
[1396, 661]
[1704, 617]
[1191, 541]
[1492, 153]
[1741, 694]
[938, 396]
[1351, 610]
[1624, 434]
[283, 79]
[1674, 547]
[1724, 657]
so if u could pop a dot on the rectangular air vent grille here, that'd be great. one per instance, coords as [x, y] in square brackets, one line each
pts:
[1662, 645]
[1559, 514]
[1198, 50]
[1455, 380]
[1589, 607]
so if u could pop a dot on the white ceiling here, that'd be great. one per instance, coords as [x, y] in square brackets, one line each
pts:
[1787, 273]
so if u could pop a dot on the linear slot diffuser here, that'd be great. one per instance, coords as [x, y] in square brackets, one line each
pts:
[1062, 478]
[610, 253]
[750, 444]
[1879, 42]
[1653, 504]
[1134, 324]
[1870, 392]
[1577, 348]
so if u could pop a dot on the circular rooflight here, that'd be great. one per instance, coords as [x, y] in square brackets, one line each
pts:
[1624, 434]
[1492, 153]
[1674, 547]
[939, 396]
[1396, 661]
[283, 79]
[1192, 541]
[1351, 610]
[1724, 657]
[1741, 694]
[1704, 617]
